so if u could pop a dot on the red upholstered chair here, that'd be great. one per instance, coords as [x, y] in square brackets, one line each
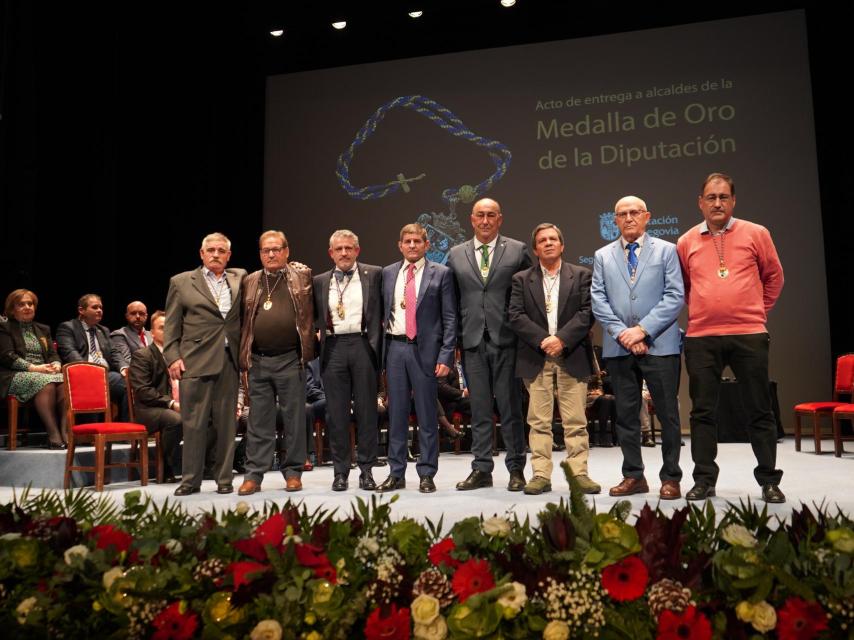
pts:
[87, 391]
[842, 412]
[843, 386]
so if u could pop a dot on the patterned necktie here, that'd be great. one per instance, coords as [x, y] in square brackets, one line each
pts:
[409, 301]
[484, 261]
[97, 358]
[632, 262]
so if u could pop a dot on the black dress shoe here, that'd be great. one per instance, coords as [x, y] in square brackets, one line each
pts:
[391, 484]
[477, 480]
[224, 488]
[366, 481]
[185, 490]
[517, 481]
[57, 446]
[170, 479]
[340, 482]
[700, 492]
[772, 493]
[426, 485]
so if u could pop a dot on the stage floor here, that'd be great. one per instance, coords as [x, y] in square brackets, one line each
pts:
[808, 479]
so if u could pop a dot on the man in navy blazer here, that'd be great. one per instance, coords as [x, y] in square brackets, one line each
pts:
[86, 339]
[637, 295]
[420, 324]
[348, 314]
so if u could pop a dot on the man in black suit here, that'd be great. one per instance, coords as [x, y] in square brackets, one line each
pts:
[348, 314]
[85, 339]
[550, 311]
[154, 403]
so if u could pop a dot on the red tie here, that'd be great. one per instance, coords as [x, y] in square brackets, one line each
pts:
[142, 337]
[409, 300]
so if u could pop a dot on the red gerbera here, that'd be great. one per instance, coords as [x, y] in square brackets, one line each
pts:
[798, 619]
[688, 624]
[625, 580]
[440, 553]
[309, 555]
[472, 577]
[394, 626]
[270, 532]
[240, 572]
[175, 622]
[106, 535]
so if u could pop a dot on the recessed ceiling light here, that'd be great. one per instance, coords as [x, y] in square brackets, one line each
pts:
[508, 3]
[340, 24]
[416, 14]
[277, 33]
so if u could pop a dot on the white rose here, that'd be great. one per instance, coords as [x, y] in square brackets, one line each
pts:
[23, 609]
[267, 630]
[370, 545]
[425, 609]
[556, 630]
[10, 536]
[496, 526]
[513, 601]
[436, 630]
[78, 550]
[241, 508]
[173, 546]
[764, 617]
[738, 536]
[110, 576]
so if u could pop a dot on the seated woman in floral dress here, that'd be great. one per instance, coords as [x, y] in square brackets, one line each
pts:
[30, 368]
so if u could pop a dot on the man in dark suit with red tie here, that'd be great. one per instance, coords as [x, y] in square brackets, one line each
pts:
[420, 324]
[348, 314]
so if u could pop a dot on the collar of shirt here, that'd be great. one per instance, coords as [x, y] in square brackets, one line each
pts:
[546, 274]
[210, 274]
[86, 327]
[491, 244]
[704, 227]
[640, 241]
[275, 273]
[418, 265]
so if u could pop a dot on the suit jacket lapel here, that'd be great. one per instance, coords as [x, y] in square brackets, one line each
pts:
[498, 254]
[201, 286]
[325, 286]
[469, 246]
[535, 281]
[643, 258]
[620, 261]
[567, 281]
[366, 292]
[429, 270]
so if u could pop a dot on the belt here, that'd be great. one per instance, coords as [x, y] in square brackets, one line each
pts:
[271, 354]
[401, 338]
[345, 335]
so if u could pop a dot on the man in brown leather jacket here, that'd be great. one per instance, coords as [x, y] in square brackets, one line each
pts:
[276, 341]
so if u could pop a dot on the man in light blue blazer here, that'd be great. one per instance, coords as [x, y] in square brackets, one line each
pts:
[637, 294]
[421, 333]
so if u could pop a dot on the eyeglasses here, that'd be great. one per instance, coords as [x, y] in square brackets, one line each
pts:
[631, 213]
[272, 250]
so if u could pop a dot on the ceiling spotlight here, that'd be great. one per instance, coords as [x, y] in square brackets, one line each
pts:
[340, 24]
[508, 3]
[416, 14]
[277, 33]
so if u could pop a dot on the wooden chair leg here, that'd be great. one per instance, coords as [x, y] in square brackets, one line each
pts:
[816, 432]
[457, 422]
[69, 461]
[12, 403]
[797, 431]
[100, 454]
[143, 452]
[158, 458]
[108, 460]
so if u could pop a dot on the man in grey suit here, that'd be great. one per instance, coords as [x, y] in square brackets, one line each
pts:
[201, 349]
[637, 294]
[134, 335]
[483, 271]
[550, 312]
[348, 314]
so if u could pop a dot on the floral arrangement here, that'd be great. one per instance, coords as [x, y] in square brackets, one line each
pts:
[76, 565]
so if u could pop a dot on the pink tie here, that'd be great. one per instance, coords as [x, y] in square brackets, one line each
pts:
[409, 299]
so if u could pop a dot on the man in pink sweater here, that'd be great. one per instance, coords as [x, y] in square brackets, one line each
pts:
[732, 278]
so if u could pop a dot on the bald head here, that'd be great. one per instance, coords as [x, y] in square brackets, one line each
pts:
[136, 314]
[486, 219]
[631, 216]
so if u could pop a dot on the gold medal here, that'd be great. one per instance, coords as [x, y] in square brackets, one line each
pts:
[340, 309]
[723, 272]
[268, 304]
[484, 271]
[549, 305]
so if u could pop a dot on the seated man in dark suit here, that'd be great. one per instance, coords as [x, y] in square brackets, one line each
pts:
[86, 339]
[154, 403]
[134, 335]
[315, 407]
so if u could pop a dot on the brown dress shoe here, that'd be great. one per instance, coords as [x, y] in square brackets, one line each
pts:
[293, 484]
[670, 490]
[248, 488]
[630, 486]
